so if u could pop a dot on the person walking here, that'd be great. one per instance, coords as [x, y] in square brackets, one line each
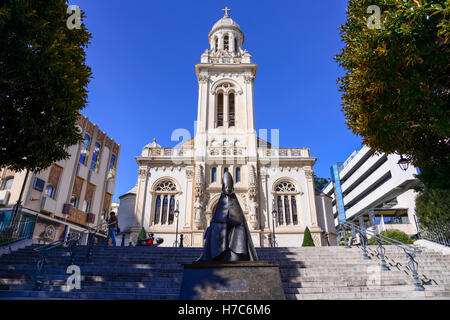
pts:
[112, 228]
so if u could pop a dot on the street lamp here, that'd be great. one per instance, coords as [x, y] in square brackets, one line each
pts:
[177, 213]
[403, 163]
[274, 215]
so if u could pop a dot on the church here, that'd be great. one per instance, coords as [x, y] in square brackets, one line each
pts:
[178, 188]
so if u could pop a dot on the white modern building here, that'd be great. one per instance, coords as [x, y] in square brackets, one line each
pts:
[178, 188]
[366, 182]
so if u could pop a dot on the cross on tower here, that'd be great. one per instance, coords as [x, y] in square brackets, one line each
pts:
[226, 11]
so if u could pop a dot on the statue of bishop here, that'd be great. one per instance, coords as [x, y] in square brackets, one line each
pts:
[228, 237]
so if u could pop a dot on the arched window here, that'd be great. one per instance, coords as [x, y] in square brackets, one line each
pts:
[231, 115]
[236, 45]
[165, 194]
[216, 44]
[8, 183]
[284, 193]
[219, 110]
[213, 175]
[238, 174]
[50, 191]
[226, 43]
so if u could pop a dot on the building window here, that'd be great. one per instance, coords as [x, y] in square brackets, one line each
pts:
[157, 209]
[50, 191]
[86, 206]
[84, 154]
[219, 110]
[171, 209]
[95, 157]
[112, 167]
[213, 174]
[216, 46]
[231, 115]
[39, 184]
[166, 193]
[236, 45]
[238, 174]
[286, 204]
[74, 200]
[226, 43]
[8, 183]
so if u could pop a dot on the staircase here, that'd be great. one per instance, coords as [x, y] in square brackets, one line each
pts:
[156, 273]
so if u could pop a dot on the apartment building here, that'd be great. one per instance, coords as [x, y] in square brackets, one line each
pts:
[69, 196]
[376, 183]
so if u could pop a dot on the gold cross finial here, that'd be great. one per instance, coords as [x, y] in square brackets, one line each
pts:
[226, 11]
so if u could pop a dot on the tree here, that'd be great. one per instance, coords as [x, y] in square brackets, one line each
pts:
[43, 82]
[307, 239]
[396, 89]
[320, 182]
[433, 205]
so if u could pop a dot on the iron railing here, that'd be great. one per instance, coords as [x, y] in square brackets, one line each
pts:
[361, 231]
[17, 229]
[438, 232]
[70, 243]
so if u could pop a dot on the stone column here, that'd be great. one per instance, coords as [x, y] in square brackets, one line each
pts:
[316, 231]
[141, 194]
[188, 217]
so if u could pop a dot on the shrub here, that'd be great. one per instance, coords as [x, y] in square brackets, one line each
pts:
[307, 239]
[141, 236]
[394, 234]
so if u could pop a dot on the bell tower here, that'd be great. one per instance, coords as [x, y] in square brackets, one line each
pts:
[225, 99]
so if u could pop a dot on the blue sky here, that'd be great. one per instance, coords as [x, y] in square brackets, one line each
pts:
[143, 54]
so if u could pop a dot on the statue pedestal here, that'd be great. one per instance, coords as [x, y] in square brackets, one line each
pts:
[242, 280]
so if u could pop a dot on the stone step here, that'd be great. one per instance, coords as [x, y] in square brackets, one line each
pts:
[29, 294]
[356, 289]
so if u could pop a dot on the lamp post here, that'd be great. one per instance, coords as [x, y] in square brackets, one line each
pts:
[177, 213]
[403, 163]
[274, 214]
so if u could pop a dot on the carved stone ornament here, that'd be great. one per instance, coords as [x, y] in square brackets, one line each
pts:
[309, 174]
[142, 173]
[189, 174]
[203, 78]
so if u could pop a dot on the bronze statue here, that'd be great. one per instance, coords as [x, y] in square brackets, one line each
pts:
[228, 237]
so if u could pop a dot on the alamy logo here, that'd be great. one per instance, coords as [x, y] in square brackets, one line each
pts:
[74, 21]
[74, 280]
[374, 21]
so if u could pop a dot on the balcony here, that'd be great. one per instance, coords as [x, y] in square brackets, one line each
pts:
[77, 216]
[283, 152]
[169, 153]
[48, 205]
[226, 151]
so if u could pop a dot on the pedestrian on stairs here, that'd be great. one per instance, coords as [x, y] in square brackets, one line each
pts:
[112, 228]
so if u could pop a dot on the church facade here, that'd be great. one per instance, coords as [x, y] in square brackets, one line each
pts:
[178, 188]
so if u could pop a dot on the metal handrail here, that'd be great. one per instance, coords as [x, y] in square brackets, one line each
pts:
[71, 241]
[73, 237]
[409, 250]
[378, 236]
